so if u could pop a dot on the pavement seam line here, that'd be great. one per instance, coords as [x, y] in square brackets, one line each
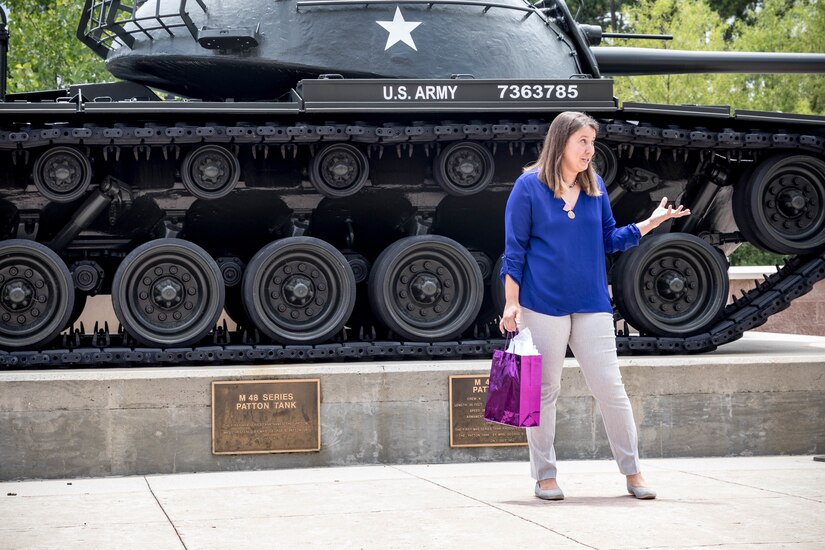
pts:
[490, 505]
[752, 487]
[162, 509]
[726, 545]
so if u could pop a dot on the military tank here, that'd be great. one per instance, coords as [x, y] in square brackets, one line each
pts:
[333, 174]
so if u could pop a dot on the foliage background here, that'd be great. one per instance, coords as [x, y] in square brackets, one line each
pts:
[764, 26]
[46, 54]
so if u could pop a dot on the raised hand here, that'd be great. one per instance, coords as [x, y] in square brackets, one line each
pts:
[664, 212]
[661, 214]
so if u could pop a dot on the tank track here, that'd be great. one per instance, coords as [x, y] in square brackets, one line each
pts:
[103, 347]
[752, 309]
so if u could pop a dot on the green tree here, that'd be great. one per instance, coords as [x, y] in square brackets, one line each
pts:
[694, 26]
[783, 26]
[44, 51]
[733, 8]
[748, 254]
[607, 13]
[770, 25]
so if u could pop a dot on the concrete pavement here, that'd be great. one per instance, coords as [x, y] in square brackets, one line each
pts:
[743, 503]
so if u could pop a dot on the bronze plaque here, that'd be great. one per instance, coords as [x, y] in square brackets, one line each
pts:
[468, 397]
[266, 416]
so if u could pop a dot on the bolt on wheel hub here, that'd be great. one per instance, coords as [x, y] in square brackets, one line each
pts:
[167, 293]
[791, 202]
[17, 295]
[671, 285]
[422, 290]
[466, 168]
[211, 171]
[426, 289]
[299, 291]
[340, 170]
[61, 173]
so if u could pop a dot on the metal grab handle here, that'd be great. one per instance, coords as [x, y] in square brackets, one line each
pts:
[430, 3]
[99, 24]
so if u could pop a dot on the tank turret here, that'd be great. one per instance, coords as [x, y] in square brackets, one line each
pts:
[262, 49]
[334, 178]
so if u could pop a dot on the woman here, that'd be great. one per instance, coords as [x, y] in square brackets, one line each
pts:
[559, 225]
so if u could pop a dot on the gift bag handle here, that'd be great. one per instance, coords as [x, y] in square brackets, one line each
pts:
[509, 335]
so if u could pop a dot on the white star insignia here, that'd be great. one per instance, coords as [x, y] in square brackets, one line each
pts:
[399, 30]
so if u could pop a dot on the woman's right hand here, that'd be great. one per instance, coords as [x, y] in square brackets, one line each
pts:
[511, 318]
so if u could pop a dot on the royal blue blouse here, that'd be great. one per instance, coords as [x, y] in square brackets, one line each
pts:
[559, 262]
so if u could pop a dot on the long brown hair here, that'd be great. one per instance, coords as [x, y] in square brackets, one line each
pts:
[549, 162]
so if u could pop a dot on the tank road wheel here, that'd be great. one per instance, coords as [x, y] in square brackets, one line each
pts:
[781, 206]
[339, 170]
[168, 292]
[62, 174]
[605, 163]
[210, 171]
[299, 290]
[671, 285]
[36, 294]
[464, 168]
[426, 288]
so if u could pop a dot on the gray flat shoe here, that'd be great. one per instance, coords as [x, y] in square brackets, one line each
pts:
[549, 494]
[642, 493]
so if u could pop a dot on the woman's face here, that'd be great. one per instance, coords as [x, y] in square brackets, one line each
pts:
[578, 152]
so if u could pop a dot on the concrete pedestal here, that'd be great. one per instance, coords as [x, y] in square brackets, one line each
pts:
[762, 395]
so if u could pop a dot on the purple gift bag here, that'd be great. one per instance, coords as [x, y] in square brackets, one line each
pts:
[514, 395]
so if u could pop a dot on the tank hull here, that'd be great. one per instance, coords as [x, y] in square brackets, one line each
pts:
[334, 216]
[138, 154]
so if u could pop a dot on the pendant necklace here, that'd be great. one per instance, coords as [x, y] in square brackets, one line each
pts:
[567, 208]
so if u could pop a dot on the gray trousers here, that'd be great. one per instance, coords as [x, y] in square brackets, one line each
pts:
[593, 342]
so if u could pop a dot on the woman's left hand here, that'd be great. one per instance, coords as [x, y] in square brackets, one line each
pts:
[664, 212]
[660, 215]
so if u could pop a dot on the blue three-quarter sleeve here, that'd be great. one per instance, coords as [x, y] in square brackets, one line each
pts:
[517, 218]
[616, 239]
